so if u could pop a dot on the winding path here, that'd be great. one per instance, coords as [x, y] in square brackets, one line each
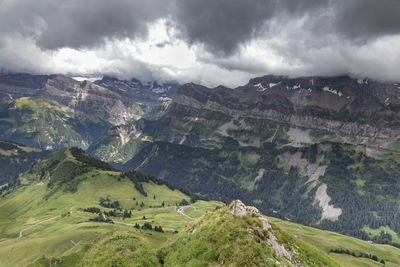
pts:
[182, 211]
[29, 227]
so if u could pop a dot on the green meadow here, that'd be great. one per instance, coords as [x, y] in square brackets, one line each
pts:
[327, 240]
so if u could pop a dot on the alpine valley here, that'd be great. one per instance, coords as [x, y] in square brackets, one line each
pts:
[133, 173]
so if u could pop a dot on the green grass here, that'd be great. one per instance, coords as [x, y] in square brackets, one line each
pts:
[326, 240]
[220, 238]
[375, 232]
[51, 240]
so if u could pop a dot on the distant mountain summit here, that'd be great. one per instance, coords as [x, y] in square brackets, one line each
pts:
[79, 97]
[150, 93]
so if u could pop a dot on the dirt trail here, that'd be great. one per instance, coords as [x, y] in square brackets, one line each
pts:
[182, 211]
[29, 227]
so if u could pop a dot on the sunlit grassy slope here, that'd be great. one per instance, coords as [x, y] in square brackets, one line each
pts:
[326, 240]
[39, 200]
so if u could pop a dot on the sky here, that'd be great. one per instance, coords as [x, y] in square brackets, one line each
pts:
[210, 42]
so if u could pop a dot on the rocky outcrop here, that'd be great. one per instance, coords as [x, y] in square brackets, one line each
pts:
[237, 208]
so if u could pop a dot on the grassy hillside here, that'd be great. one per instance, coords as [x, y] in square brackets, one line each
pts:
[327, 241]
[40, 123]
[221, 239]
[49, 208]
[15, 159]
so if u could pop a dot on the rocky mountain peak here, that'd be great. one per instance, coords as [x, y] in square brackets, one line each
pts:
[238, 208]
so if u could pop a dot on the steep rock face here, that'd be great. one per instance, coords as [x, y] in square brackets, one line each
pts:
[329, 107]
[151, 93]
[80, 97]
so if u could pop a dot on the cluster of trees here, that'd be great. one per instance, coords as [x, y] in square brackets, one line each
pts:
[89, 161]
[148, 226]
[183, 202]
[107, 203]
[12, 184]
[115, 213]
[354, 254]
[92, 210]
[141, 204]
[16, 163]
[101, 218]
[112, 213]
[375, 206]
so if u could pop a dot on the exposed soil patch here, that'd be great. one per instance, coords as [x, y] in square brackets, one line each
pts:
[328, 211]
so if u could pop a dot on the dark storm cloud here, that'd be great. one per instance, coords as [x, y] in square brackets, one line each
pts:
[326, 37]
[367, 18]
[221, 25]
[77, 23]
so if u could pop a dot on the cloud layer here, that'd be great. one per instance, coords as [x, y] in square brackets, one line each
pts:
[208, 41]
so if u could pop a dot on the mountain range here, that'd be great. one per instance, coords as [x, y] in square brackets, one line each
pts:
[320, 151]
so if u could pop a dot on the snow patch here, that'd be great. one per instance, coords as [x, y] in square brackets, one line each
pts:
[332, 91]
[159, 90]
[260, 87]
[164, 99]
[295, 87]
[273, 84]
